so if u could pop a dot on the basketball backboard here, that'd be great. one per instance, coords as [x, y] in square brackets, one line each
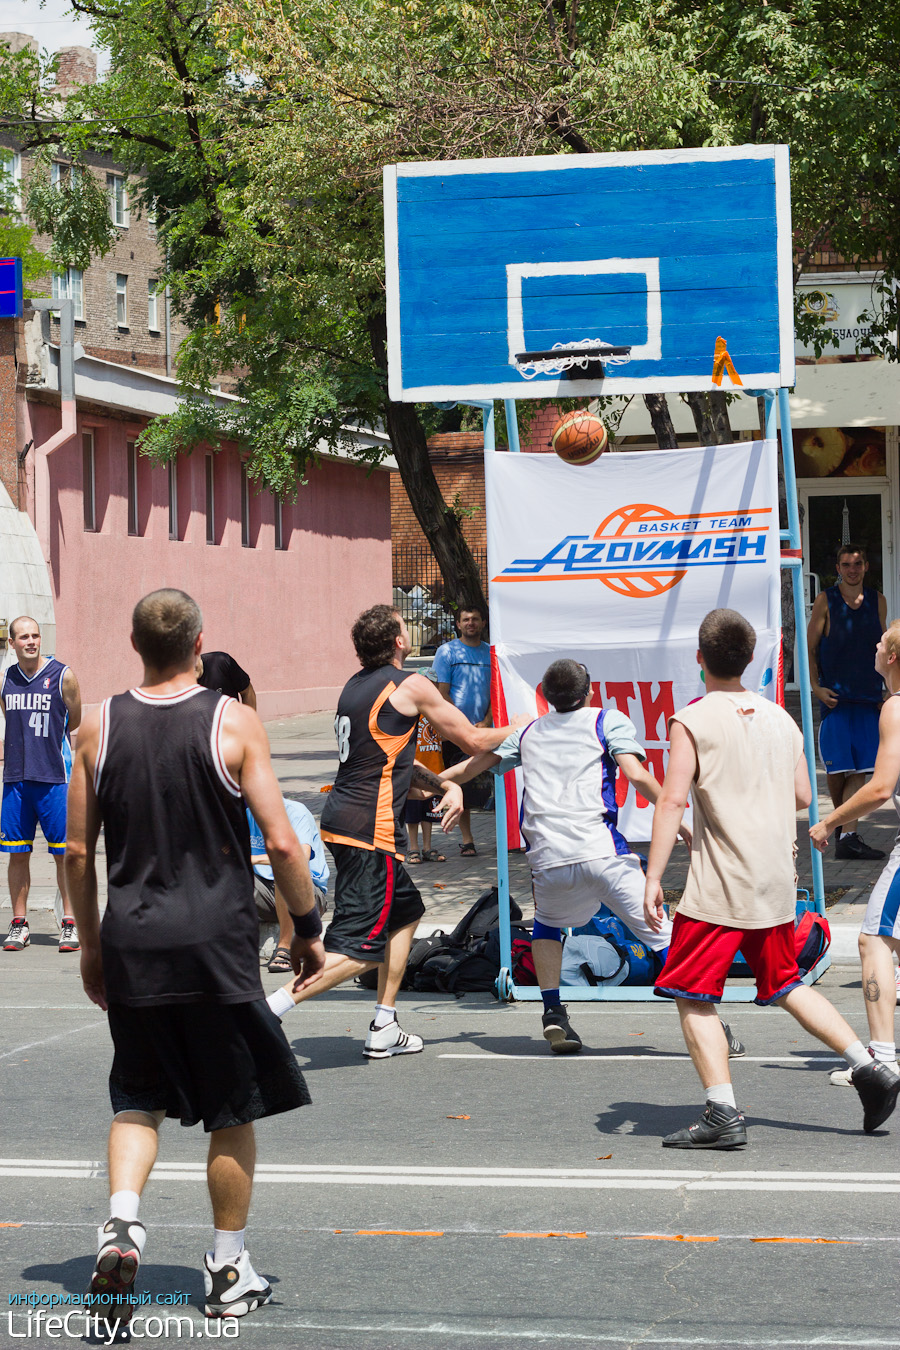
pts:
[663, 252]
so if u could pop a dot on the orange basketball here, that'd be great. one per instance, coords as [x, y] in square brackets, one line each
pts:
[579, 438]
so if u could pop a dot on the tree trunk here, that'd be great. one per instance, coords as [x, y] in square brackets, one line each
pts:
[710, 412]
[718, 407]
[661, 420]
[462, 580]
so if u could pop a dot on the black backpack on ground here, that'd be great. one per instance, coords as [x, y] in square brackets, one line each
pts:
[466, 961]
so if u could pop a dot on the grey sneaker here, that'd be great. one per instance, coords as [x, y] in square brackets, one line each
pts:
[558, 1031]
[719, 1127]
[18, 937]
[68, 936]
[736, 1048]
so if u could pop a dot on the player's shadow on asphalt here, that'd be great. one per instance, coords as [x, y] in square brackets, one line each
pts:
[647, 1118]
[154, 1280]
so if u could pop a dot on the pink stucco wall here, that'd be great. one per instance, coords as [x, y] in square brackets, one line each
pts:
[284, 615]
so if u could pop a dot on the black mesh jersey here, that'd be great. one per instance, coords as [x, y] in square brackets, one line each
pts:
[376, 749]
[180, 924]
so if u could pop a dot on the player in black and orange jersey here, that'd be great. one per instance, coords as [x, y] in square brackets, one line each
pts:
[376, 905]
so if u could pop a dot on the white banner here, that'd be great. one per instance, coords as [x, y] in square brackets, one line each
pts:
[615, 564]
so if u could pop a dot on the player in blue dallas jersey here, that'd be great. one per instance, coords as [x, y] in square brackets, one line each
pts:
[42, 704]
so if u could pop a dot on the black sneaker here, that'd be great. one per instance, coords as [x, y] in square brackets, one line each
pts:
[719, 1127]
[877, 1086]
[850, 846]
[121, 1242]
[736, 1048]
[563, 1040]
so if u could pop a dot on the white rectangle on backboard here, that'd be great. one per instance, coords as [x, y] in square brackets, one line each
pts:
[651, 350]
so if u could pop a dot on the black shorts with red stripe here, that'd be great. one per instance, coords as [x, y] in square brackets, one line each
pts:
[373, 896]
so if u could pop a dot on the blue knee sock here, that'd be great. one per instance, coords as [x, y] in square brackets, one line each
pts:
[551, 998]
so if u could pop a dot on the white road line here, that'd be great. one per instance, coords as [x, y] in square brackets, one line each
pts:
[651, 1056]
[611, 1234]
[629, 1336]
[73, 1031]
[500, 1178]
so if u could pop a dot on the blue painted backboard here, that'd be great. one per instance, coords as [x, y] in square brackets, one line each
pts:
[665, 252]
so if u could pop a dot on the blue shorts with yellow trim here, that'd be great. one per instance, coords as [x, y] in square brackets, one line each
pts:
[25, 805]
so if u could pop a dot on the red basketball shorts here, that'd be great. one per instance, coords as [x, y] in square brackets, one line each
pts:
[701, 955]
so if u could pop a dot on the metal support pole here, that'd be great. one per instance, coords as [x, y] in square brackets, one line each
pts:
[487, 421]
[512, 424]
[796, 568]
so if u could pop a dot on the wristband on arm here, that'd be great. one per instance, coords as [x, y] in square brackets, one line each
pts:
[307, 926]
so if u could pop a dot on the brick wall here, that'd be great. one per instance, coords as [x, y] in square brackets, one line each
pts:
[457, 458]
[135, 255]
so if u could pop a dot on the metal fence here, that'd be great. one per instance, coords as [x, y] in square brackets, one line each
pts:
[419, 595]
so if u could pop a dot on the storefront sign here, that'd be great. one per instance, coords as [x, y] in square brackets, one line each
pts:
[840, 305]
[616, 564]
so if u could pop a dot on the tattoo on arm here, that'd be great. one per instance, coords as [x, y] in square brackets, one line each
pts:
[426, 780]
[872, 990]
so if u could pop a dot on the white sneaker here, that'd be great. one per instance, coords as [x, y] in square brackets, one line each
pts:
[844, 1077]
[233, 1288]
[390, 1040]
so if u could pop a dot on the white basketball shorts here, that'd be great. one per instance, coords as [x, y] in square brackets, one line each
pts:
[567, 896]
[882, 911]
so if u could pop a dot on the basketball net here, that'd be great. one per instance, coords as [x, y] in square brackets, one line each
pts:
[564, 362]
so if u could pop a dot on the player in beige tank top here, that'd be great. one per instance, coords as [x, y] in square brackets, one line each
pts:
[741, 760]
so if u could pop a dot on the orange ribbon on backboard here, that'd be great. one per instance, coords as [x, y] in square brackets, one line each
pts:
[722, 362]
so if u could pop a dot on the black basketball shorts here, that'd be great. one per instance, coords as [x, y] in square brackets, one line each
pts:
[373, 896]
[223, 1063]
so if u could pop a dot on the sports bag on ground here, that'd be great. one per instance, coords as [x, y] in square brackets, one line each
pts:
[642, 964]
[591, 959]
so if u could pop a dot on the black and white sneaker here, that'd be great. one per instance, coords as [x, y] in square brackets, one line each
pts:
[559, 1032]
[382, 1042]
[233, 1288]
[121, 1244]
[736, 1048]
[720, 1126]
[878, 1086]
[18, 937]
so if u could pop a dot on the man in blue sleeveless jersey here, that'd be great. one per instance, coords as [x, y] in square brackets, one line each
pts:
[845, 627]
[42, 704]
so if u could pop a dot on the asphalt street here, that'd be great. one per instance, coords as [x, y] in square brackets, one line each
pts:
[483, 1192]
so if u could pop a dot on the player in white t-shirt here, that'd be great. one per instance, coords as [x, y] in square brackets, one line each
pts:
[579, 860]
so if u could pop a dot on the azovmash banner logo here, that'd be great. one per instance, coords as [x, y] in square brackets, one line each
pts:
[615, 564]
[642, 550]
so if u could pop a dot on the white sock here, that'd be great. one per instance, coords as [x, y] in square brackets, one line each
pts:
[885, 1052]
[857, 1055]
[280, 1002]
[848, 834]
[229, 1246]
[124, 1205]
[721, 1093]
[384, 1016]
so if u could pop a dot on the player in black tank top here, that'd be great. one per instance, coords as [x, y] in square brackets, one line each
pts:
[376, 750]
[376, 905]
[177, 960]
[175, 930]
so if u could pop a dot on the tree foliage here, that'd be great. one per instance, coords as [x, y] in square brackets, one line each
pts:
[260, 130]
